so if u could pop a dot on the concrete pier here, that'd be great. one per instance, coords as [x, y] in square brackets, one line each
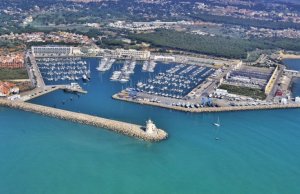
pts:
[117, 126]
[211, 109]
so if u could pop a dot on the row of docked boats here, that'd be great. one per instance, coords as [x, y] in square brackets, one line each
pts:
[105, 64]
[148, 66]
[124, 74]
[62, 69]
[175, 82]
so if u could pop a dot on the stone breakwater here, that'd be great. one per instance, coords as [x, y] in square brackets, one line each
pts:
[211, 109]
[117, 126]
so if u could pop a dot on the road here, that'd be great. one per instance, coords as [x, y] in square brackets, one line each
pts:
[37, 74]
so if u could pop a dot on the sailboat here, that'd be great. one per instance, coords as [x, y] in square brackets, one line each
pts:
[86, 77]
[217, 124]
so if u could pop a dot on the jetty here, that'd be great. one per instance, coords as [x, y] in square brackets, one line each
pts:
[37, 92]
[128, 129]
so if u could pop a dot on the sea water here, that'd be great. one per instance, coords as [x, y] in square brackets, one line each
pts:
[257, 151]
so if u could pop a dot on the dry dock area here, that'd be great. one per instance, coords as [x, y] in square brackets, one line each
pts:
[128, 129]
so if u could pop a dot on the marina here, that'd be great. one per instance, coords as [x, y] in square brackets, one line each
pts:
[180, 86]
[63, 69]
[175, 82]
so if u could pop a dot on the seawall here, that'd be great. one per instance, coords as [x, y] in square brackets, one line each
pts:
[128, 129]
[211, 109]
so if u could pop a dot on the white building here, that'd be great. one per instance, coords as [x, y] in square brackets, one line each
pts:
[151, 128]
[44, 51]
[131, 53]
[221, 92]
[164, 58]
[284, 101]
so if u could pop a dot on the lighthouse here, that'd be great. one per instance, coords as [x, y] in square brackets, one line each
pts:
[151, 128]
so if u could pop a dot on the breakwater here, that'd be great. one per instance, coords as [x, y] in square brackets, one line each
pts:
[128, 129]
[211, 109]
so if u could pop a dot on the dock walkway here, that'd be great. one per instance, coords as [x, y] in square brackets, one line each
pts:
[128, 129]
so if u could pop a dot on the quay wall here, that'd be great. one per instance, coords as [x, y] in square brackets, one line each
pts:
[212, 109]
[116, 126]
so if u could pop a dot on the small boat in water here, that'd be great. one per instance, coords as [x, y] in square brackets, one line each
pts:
[85, 78]
[217, 124]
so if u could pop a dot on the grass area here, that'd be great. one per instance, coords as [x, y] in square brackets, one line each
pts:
[245, 91]
[7, 74]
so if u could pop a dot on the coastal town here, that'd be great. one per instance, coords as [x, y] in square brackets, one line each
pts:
[189, 75]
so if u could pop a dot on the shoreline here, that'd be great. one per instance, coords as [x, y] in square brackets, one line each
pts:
[211, 109]
[124, 128]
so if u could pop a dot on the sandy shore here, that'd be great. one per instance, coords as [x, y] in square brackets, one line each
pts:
[289, 56]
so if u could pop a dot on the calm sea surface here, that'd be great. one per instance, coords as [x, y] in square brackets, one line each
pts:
[258, 151]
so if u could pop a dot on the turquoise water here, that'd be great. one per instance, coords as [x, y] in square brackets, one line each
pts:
[258, 151]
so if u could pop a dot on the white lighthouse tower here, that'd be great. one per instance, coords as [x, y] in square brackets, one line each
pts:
[151, 128]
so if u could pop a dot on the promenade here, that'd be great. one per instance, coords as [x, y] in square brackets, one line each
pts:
[128, 129]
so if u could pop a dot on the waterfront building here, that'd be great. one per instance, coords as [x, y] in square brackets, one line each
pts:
[44, 51]
[164, 58]
[131, 53]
